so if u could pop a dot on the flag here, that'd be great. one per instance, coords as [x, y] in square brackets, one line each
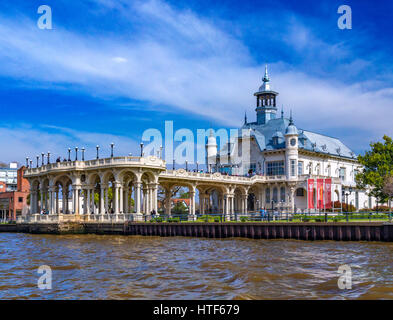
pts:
[310, 193]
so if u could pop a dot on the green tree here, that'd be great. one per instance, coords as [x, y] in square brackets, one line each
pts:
[378, 165]
[180, 208]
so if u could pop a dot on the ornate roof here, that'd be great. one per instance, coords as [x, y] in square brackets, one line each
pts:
[308, 140]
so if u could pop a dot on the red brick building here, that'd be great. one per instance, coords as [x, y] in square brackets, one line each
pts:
[13, 204]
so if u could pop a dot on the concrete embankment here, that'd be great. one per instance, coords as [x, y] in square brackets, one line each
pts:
[299, 231]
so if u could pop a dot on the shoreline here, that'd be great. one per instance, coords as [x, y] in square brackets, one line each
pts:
[311, 231]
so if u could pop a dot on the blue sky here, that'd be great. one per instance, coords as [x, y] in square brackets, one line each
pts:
[110, 69]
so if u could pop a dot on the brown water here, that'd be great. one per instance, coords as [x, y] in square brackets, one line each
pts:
[125, 267]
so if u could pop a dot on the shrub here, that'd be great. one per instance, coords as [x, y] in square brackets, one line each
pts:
[216, 219]
[243, 219]
[381, 209]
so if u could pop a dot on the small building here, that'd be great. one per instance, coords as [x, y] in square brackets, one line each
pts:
[8, 175]
[14, 203]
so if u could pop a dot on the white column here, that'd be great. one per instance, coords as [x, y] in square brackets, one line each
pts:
[193, 202]
[138, 197]
[126, 197]
[42, 199]
[121, 200]
[116, 197]
[155, 197]
[51, 200]
[168, 194]
[64, 201]
[88, 203]
[106, 201]
[57, 210]
[102, 201]
[149, 199]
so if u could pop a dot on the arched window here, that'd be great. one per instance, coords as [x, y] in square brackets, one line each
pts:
[282, 194]
[275, 194]
[267, 195]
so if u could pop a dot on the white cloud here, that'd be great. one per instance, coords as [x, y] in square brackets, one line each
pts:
[119, 59]
[181, 60]
[27, 141]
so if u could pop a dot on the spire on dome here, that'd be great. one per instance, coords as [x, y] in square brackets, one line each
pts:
[266, 76]
[282, 112]
[245, 117]
[266, 85]
[291, 129]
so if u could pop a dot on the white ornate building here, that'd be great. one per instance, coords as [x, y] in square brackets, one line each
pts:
[275, 174]
[288, 156]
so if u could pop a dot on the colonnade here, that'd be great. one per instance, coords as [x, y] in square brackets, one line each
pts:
[80, 199]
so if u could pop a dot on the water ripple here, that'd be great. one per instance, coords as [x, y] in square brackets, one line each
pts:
[120, 267]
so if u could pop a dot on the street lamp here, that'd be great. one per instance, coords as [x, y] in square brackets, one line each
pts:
[76, 153]
[161, 151]
[186, 165]
[141, 149]
[27, 162]
[348, 193]
[98, 148]
[31, 163]
[112, 145]
[42, 160]
[173, 165]
[83, 154]
[69, 154]
[38, 157]
[48, 157]
[197, 166]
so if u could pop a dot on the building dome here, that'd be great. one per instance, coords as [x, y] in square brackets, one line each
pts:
[291, 129]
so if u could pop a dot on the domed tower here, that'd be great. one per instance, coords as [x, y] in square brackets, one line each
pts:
[211, 150]
[291, 150]
[266, 101]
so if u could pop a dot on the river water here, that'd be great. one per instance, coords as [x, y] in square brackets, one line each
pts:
[133, 267]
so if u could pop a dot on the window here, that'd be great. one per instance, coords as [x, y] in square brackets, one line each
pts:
[357, 200]
[253, 167]
[282, 194]
[275, 168]
[342, 174]
[356, 172]
[20, 199]
[275, 195]
[300, 168]
[370, 202]
[293, 166]
[267, 195]
[300, 192]
[329, 169]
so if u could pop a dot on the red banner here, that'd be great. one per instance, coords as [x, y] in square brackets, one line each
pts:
[310, 193]
[328, 193]
[319, 193]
